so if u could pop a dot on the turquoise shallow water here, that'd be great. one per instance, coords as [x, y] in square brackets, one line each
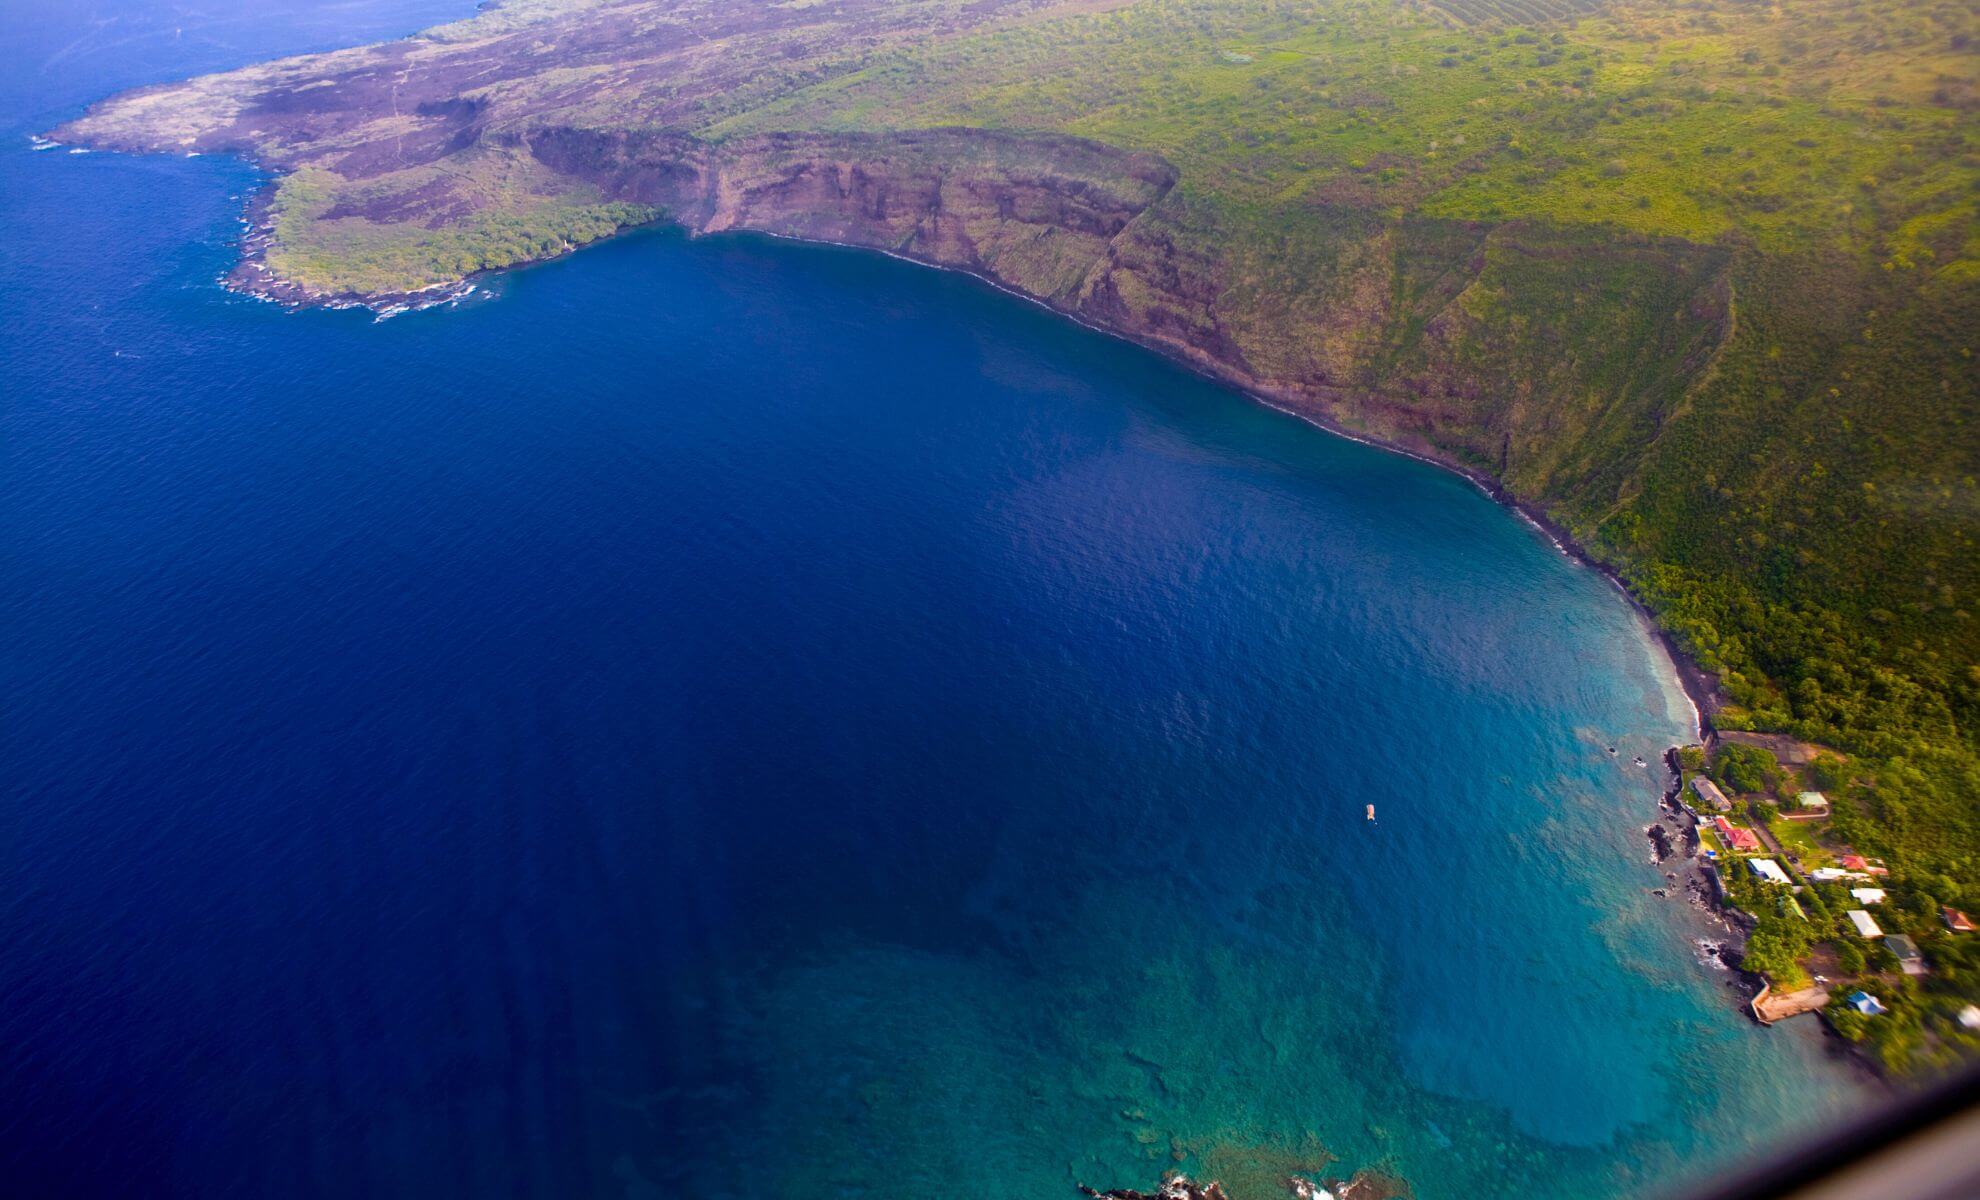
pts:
[761, 720]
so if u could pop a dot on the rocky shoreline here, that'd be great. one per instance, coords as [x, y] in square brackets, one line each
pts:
[1365, 1184]
[1674, 842]
[252, 276]
[1674, 837]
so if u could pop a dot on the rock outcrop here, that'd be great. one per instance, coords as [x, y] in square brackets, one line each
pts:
[1034, 212]
[1771, 1006]
[1363, 1185]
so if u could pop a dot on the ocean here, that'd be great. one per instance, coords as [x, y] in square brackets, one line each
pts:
[730, 718]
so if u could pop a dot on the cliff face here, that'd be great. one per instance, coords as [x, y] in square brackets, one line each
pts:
[1397, 328]
[1035, 213]
[1541, 355]
[1232, 211]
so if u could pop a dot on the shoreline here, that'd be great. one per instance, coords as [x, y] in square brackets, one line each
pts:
[251, 277]
[1697, 685]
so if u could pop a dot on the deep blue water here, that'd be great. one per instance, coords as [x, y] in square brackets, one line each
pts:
[764, 720]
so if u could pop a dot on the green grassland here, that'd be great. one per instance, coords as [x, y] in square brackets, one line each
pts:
[356, 255]
[1669, 119]
[1800, 838]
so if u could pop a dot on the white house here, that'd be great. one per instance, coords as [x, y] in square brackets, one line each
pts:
[1865, 926]
[1767, 869]
[1868, 895]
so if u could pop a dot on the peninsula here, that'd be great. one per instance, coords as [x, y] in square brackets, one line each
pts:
[1696, 282]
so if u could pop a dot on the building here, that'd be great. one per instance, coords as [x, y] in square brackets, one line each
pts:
[1736, 838]
[1970, 1016]
[1866, 1004]
[1709, 794]
[1809, 806]
[1956, 920]
[1856, 862]
[1768, 869]
[1907, 953]
[1866, 926]
[1835, 875]
[1868, 895]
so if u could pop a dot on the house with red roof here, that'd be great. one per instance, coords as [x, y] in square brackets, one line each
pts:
[1736, 838]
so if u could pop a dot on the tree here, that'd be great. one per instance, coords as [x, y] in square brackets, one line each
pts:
[1827, 771]
[1745, 768]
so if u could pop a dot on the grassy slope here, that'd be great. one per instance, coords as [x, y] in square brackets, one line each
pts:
[352, 254]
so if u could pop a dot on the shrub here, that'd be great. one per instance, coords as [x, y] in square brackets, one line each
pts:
[1827, 771]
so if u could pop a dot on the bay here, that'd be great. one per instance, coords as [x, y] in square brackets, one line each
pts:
[746, 719]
